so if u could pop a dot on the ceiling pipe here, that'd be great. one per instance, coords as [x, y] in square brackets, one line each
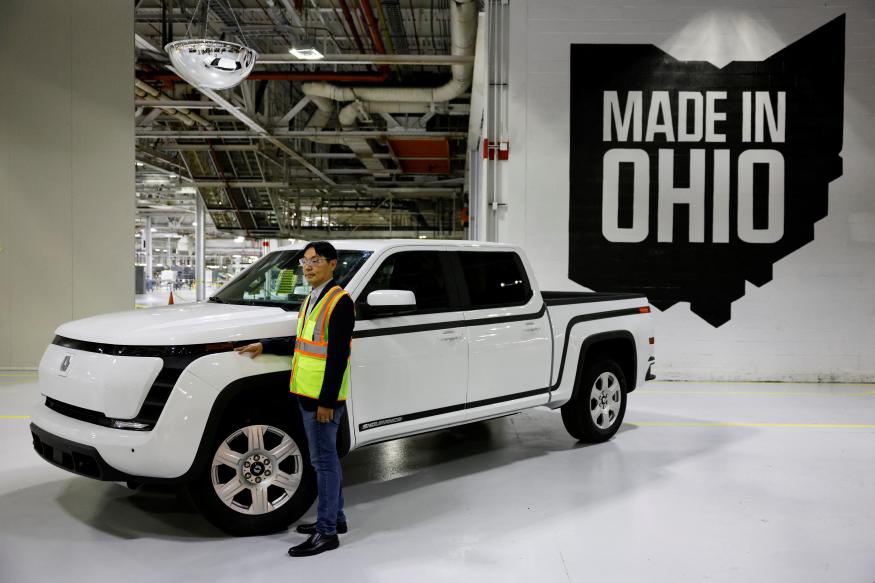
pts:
[348, 114]
[350, 21]
[384, 25]
[168, 110]
[359, 145]
[364, 100]
[373, 27]
[463, 32]
[325, 107]
[147, 89]
[286, 76]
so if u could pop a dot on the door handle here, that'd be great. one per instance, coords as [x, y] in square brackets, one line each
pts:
[531, 326]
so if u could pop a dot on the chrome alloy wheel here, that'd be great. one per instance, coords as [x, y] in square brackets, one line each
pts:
[257, 469]
[605, 399]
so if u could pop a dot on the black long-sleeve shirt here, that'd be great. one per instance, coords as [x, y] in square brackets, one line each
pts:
[340, 327]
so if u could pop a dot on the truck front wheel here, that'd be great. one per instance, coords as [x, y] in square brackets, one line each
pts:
[259, 479]
[595, 413]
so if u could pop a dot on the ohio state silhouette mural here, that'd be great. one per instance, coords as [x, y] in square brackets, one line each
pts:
[688, 179]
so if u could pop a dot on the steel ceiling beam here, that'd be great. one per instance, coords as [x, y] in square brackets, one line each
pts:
[260, 131]
[366, 59]
[147, 164]
[207, 147]
[175, 103]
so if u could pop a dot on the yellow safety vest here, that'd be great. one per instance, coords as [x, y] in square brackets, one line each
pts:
[311, 347]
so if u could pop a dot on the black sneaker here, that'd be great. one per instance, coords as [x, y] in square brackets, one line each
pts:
[310, 528]
[317, 543]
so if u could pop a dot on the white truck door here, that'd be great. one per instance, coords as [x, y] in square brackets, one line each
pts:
[410, 372]
[508, 334]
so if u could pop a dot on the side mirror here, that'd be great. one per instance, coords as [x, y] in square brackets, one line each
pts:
[387, 302]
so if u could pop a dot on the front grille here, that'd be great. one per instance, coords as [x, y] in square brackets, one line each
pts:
[75, 461]
[87, 415]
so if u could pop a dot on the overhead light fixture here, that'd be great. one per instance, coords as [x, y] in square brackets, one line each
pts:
[154, 230]
[194, 224]
[139, 164]
[310, 54]
[238, 239]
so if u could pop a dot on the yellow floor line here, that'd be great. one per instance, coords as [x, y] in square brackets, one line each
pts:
[760, 393]
[743, 424]
[18, 374]
[813, 383]
[14, 416]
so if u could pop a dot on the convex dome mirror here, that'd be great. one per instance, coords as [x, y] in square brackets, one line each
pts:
[213, 64]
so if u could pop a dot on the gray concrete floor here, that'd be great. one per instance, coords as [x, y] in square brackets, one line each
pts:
[704, 482]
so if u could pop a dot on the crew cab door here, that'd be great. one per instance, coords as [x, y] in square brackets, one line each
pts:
[508, 333]
[410, 372]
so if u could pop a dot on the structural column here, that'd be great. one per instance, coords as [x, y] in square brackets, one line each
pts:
[200, 269]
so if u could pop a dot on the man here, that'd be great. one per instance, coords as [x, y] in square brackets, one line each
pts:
[320, 378]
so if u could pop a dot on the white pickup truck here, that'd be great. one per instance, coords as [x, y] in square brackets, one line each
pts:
[446, 333]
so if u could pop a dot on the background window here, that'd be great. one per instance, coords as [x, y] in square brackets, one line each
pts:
[495, 278]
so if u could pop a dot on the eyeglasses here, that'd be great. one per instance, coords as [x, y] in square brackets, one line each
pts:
[303, 262]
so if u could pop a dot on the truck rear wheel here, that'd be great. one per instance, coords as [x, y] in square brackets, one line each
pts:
[594, 415]
[259, 479]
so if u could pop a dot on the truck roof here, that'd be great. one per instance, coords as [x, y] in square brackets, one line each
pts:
[380, 244]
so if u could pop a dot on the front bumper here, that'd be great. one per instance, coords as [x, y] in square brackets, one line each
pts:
[74, 457]
[165, 453]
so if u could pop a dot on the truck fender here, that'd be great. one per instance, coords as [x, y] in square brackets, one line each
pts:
[609, 344]
[272, 386]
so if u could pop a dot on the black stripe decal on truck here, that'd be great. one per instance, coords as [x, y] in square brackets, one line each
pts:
[495, 400]
[448, 324]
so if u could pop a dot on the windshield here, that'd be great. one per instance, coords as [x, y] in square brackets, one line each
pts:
[278, 280]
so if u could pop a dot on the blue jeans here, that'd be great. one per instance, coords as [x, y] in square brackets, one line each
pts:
[322, 442]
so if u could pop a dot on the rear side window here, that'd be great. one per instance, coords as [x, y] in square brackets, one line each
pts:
[495, 279]
[421, 272]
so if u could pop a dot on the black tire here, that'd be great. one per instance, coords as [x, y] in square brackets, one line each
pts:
[596, 412]
[286, 485]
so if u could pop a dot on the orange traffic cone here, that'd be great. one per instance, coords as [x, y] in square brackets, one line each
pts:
[170, 301]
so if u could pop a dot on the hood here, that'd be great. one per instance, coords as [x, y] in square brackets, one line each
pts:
[199, 323]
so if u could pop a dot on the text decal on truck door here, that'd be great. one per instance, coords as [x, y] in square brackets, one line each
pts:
[687, 179]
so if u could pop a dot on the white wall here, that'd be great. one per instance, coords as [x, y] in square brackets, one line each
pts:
[66, 168]
[816, 319]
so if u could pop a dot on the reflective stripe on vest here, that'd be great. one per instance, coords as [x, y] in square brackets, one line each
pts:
[311, 347]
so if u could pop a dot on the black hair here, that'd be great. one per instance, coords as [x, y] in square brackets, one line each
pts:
[323, 249]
